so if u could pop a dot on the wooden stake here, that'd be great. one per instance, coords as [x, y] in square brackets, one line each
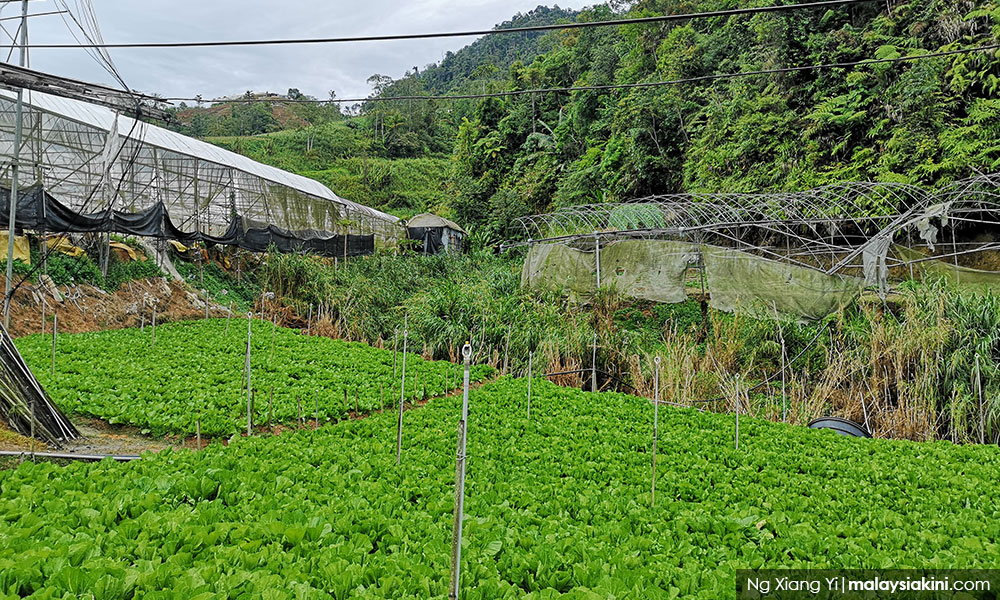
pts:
[152, 343]
[298, 400]
[197, 428]
[309, 326]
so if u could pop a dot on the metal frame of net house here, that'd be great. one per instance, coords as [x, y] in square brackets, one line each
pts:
[802, 254]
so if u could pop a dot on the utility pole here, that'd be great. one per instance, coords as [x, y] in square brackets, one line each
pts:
[15, 168]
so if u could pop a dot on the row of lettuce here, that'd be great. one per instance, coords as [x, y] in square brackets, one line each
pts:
[558, 505]
[195, 371]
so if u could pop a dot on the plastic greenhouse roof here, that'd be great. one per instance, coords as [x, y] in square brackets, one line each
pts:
[103, 119]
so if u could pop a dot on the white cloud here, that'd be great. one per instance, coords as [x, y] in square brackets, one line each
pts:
[314, 69]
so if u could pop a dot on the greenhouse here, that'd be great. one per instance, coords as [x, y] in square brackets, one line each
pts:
[85, 168]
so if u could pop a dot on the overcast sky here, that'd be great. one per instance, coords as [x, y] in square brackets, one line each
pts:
[314, 69]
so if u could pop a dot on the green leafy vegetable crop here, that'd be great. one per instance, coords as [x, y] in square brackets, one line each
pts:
[557, 506]
[195, 371]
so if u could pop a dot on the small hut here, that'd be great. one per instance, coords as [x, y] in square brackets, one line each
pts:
[435, 234]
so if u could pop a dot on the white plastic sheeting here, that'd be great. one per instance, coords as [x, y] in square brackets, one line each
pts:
[66, 149]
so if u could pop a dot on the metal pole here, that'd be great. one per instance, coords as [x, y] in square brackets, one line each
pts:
[506, 348]
[14, 170]
[531, 355]
[395, 352]
[982, 407]
[152, 341]
[309, 326]
[656, 425]
[738, 412]
[270, 404]
[316, 414]
[593, 367]
[597, 259]
[784, 395]
[274, 327]
[456, 538]
[197, 425]
[247, 368]
[229, 316]
[55, 328]
[402, 393]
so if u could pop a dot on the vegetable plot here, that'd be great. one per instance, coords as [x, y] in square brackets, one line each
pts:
[195, 370]
[557, 506]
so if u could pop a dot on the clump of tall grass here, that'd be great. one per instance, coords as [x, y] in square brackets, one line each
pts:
[905, 370]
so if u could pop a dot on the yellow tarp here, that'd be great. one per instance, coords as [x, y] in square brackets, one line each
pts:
[178, 246]
[124, 252]
[22, 251]
[62, 244]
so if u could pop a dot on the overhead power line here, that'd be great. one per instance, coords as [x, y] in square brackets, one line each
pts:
[618, 86]
[41, 14]
[476, 33]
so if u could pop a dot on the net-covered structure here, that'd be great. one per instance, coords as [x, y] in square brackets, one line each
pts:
[86, 168]
[802, 254]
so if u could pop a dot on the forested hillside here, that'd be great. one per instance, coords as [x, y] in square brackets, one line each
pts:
[925, 121]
